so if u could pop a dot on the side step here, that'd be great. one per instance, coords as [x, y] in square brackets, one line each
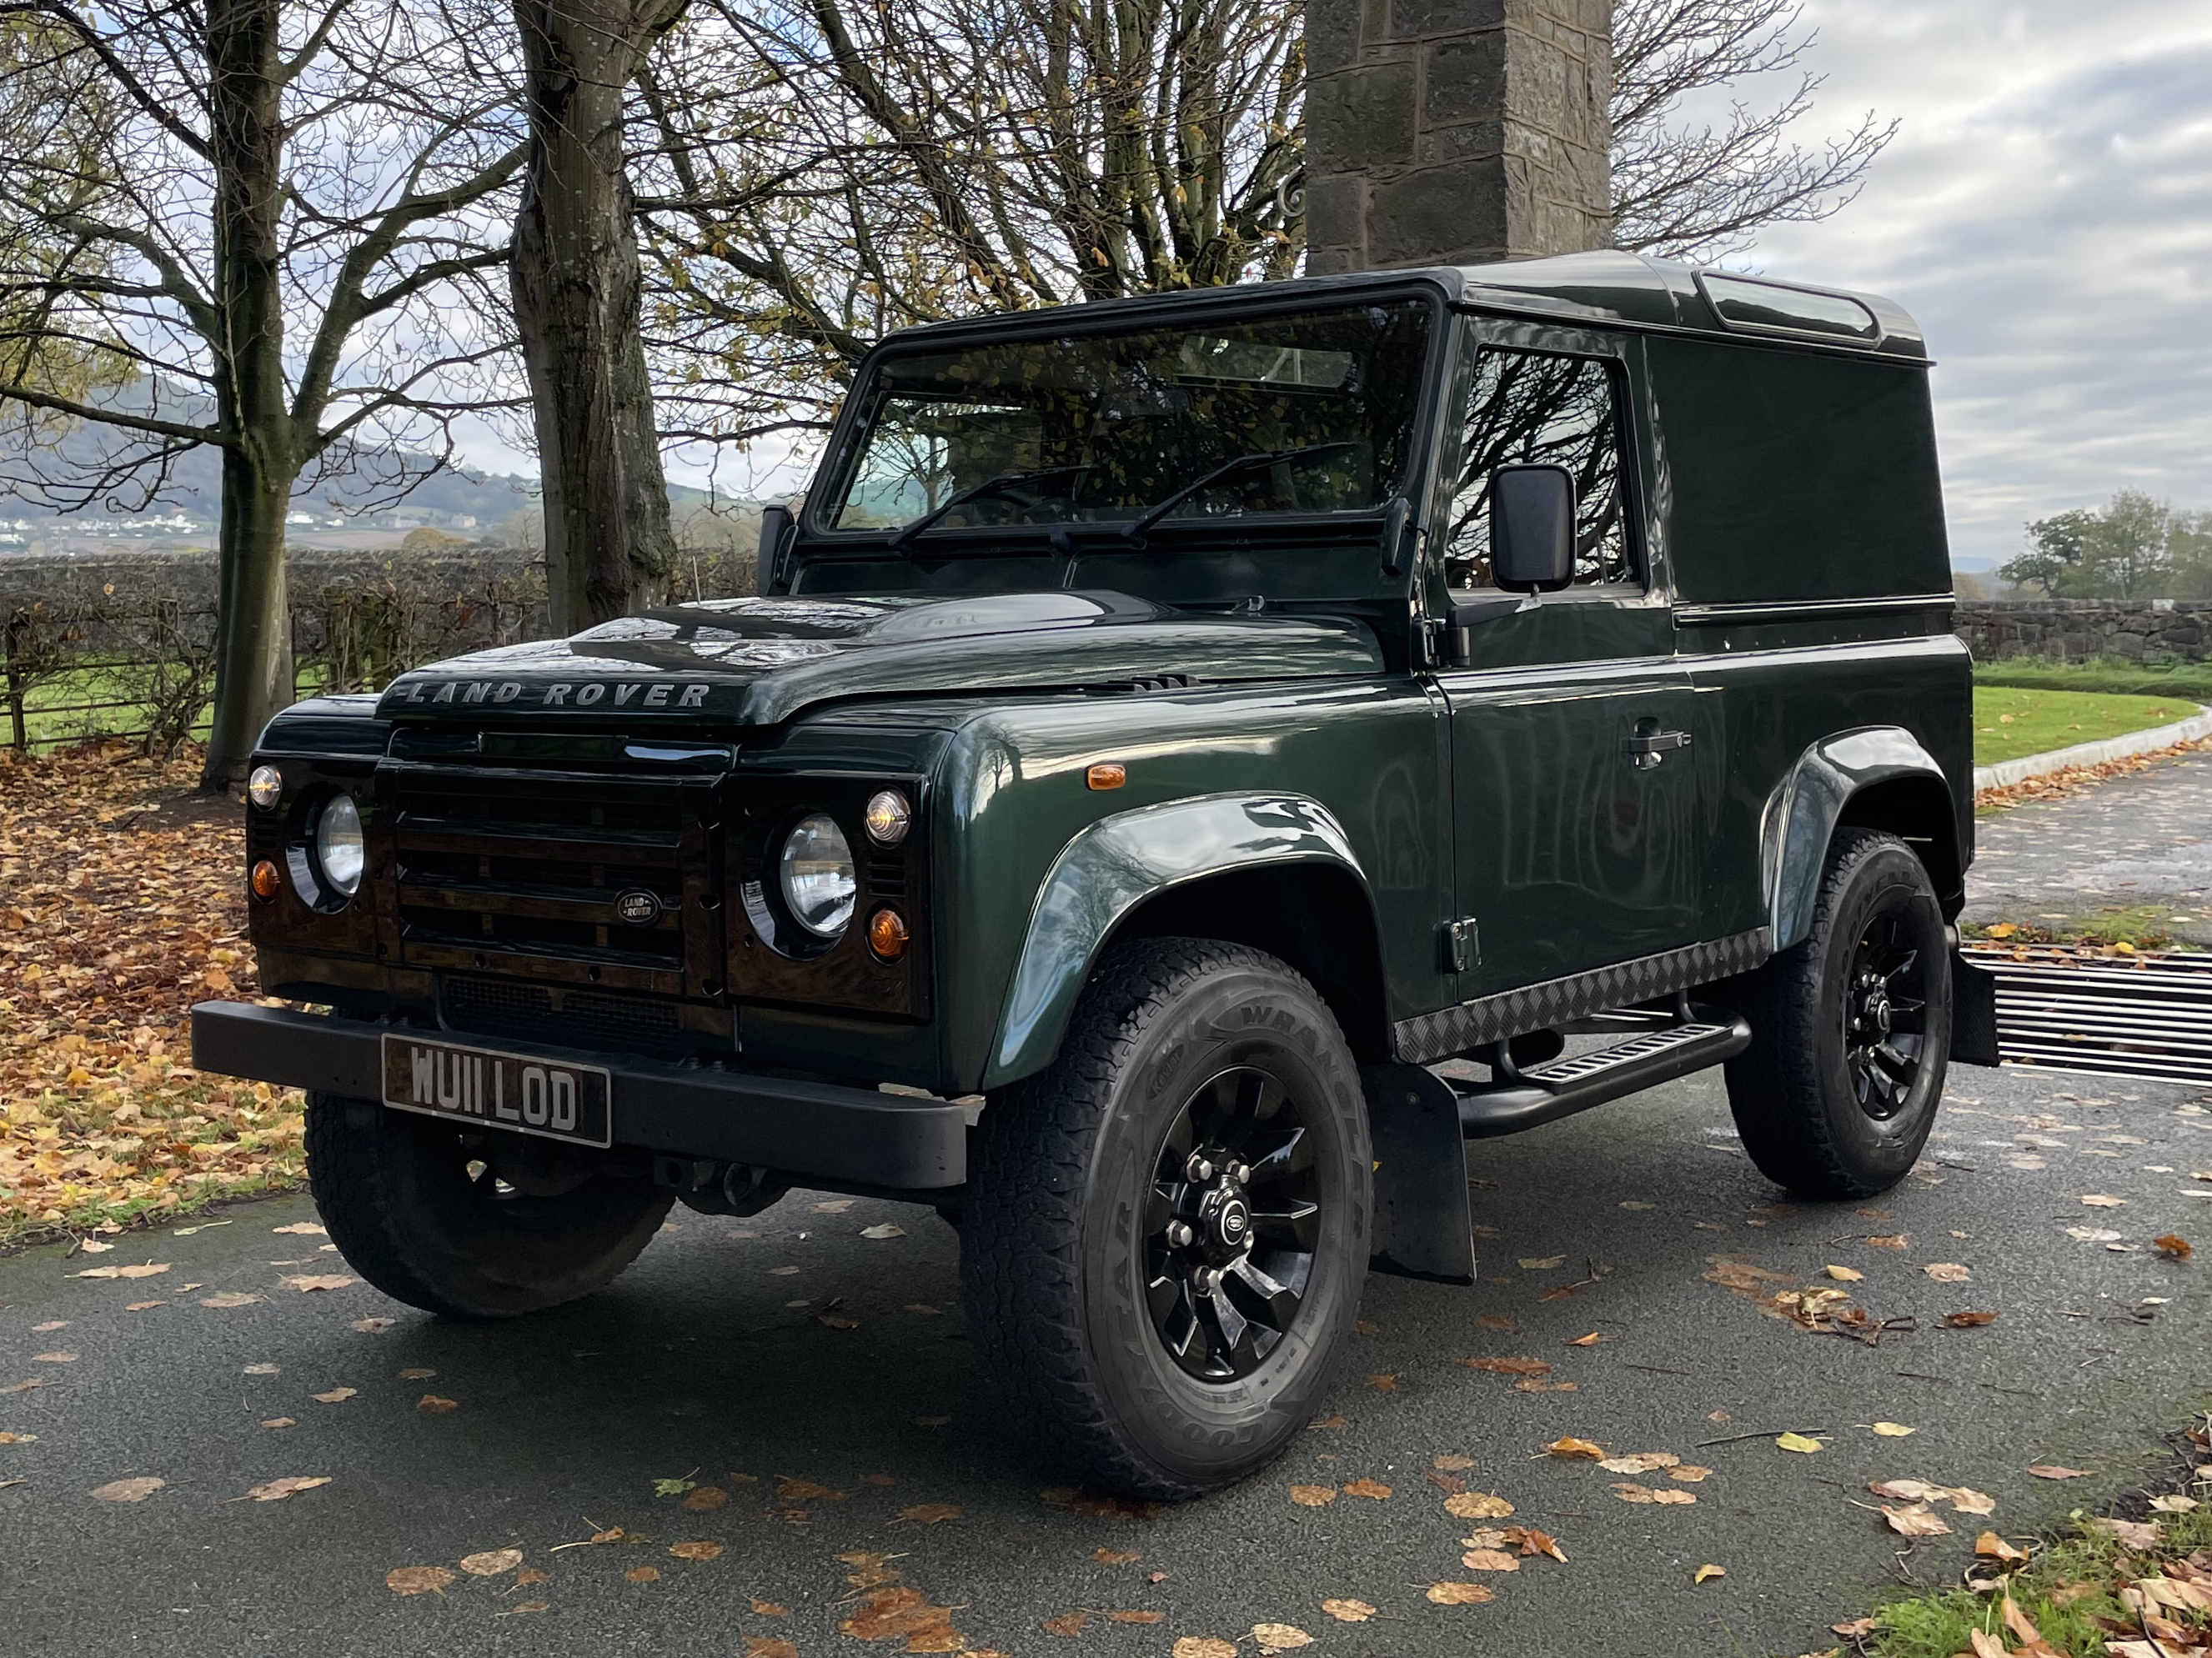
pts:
[1517, 1099]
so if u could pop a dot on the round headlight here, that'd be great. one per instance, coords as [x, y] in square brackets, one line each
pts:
[339, 853]
[888, 818]
[265, 786]
[816, 865]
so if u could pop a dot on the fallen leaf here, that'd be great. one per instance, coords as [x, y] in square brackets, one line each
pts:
[306, 1282]
[1313, 1496]
[280, 1422]
[50, 1327]
[1106, 1556]
[643, 1574]
[1798, 1442]
[879, 1233]
[147, 1269]
[1507, 1366]
[2100, 1200]
[417, 1580]
[1843, 1274]
[276, 1490]
[1856, 1628]
[1068, 1624]
[1641, 1462]
[1494, 1322]
[1530, 1541]
[839, 1321]
[416, 1373]
[1568, 1446]
[1918, 1520]
[700, 1551]
[1893, 1429]
[1707, 1573]
[1490, 1560]
[2135, 1534]
[2172, 1246]
[1477, 1505]
[371, 1326]
[53, 1358]
[1368, 1488]
[492, 1562]
[1542, 1263]
[525, 1608]
[1967, 1500]
[1384, 1383]
[769, 1609]
[1328, 1422]
[1345, 1612]
[791, 1492]
[878, 1479]
[1203, 1646]
[1689, 1473]
[2054, 1471]
[227, 1298]
[1888, 1241]
[140, 1306]
[1281, 1638]
[1460, 1594]
[1451, 1462]
[930, 1514]
[769, 1646]
[1589, 1340]
[1947, 1271]
[128, 1491]
[2173, 1503]
[1967, 1321]
[834, 1206]
[263, 1369]
[1115, 1508]
[1134, 1617]
[306, 1229]
[431, 1405]
[886, 1614]
[1991, 1547]
[336, 1395]
[703, 1498]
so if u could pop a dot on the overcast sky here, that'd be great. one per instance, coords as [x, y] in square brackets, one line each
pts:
[2046, 212]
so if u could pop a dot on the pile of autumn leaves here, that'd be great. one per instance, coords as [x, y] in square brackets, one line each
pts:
[119, 911]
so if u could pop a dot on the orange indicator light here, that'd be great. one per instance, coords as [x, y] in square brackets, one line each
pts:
[1111, 776]
[266, 879]
[887, 934]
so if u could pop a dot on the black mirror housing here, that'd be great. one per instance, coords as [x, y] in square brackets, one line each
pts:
[1532, 528]
[775, 531]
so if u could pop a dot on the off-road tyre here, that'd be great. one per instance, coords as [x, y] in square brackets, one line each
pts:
[1060, 1225]
[1798, 1091]
[397, 1193]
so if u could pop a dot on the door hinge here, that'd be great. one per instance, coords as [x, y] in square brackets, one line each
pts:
[1462, 944]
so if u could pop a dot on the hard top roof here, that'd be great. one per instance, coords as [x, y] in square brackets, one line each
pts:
[1606, 288]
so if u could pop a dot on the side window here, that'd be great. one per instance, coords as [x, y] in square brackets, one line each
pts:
[1558, 411]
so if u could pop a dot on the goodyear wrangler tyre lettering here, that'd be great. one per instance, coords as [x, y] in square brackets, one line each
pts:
[1165, 1232]
[1838, 1090]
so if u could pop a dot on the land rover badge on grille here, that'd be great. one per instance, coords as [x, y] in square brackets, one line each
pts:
[638, 907]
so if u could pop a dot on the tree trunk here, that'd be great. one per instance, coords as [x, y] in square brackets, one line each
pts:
[609, 549]
[253, 653]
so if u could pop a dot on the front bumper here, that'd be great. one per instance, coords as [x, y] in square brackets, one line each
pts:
[806, 1131]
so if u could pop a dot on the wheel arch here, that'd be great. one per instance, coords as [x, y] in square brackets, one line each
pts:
[1879, 777]
[1275, 872]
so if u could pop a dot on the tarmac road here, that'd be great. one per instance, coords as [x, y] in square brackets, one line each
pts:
[700, 1364]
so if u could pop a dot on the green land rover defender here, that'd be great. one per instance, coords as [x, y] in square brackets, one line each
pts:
[1168, 731]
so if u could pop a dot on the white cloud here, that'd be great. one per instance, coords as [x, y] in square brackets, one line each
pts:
[2046, 213]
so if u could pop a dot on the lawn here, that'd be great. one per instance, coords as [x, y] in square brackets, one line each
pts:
[2011, 720]
[2189, 680]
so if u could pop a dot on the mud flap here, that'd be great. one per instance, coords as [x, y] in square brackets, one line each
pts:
[1973, 1012]
[1422, 1226]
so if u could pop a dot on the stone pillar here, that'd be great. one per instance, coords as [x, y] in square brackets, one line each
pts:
[1455, 131]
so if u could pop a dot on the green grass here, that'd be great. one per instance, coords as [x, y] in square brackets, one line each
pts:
[44, 726]
[1937, 1625]
[2191, 680]
[2010, 720]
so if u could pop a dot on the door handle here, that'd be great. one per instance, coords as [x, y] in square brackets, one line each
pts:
[1648, 749]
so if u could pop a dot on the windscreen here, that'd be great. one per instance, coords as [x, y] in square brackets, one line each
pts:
[1318, 406]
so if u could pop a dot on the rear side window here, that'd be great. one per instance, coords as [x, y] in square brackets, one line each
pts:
[1555, 410]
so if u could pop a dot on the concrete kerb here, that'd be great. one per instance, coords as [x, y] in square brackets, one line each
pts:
[2005, 775]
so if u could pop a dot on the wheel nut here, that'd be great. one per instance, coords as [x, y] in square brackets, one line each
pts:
[1200, 1168]
[1179, 1235]
[1208, 1279]
[1240, 1172]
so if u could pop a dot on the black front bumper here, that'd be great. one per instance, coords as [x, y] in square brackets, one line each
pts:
[808, 1130]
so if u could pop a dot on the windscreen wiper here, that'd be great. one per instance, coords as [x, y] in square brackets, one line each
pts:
[991, 486]
[1251, 462]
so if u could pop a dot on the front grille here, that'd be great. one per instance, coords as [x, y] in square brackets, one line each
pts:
[531, 865]
[569, 1018]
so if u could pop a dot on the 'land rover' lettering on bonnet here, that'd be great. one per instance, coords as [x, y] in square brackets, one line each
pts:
[661, 694]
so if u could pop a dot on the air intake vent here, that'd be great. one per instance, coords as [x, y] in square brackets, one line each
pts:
[568, 1018]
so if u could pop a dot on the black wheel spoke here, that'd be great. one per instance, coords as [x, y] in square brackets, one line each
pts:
[1235, 1173]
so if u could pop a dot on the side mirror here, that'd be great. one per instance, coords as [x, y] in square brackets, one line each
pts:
[775, 530]
[1532, 528]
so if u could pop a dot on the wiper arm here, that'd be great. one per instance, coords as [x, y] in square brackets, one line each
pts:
[1252, 463]
[992, 486]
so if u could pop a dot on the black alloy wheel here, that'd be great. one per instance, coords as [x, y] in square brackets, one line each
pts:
[1233, 1222]
[1884, 1012]
[1851, 1029]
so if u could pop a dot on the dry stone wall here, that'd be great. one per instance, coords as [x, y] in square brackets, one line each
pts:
[2074, 628]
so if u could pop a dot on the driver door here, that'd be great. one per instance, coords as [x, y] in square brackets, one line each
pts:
[1574, 794]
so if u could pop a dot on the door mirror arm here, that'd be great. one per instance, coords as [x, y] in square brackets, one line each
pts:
[1468, 612]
